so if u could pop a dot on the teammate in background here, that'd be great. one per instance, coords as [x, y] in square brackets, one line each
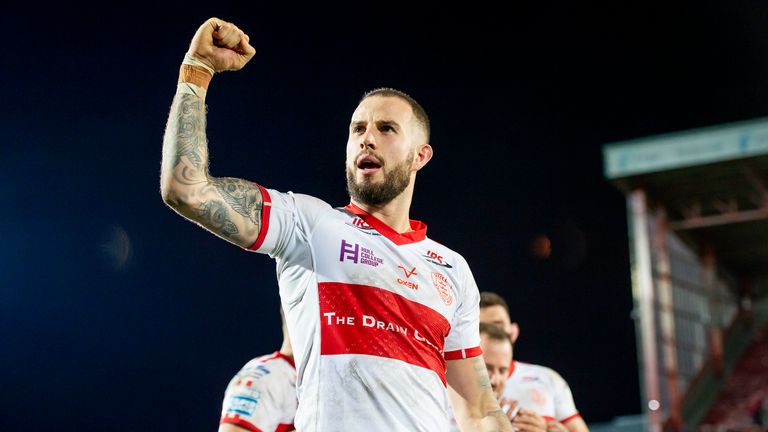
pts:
[497, 355]
[538, 388]
[262, 396]
[381, 317]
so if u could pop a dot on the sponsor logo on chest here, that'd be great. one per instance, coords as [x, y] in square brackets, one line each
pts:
[436, 258]
[408, 273]
[362, 226]
[351, 251]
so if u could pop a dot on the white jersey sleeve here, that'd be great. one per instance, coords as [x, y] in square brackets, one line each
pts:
[261, 397]
[565, 408]
[287, 221]
[463, 341]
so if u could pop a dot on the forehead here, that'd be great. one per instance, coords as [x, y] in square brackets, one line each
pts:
[494, 314]
[495, 350]
[383, 108]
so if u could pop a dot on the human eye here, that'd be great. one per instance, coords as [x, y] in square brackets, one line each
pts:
[386, 127]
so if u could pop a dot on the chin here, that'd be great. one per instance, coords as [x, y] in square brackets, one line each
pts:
[367, 179]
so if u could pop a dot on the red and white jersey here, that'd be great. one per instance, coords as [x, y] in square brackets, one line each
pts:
[262, 396]
[372, 315]
[542, 390]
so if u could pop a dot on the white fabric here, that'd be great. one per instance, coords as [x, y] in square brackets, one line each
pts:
[541, 390]
[262, 396]
[369, 320]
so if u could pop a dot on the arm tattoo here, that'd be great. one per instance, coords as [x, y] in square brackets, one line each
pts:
[481, 372]
[242, 196]
[498, 421]
[226, 206]
[185, 143]
[190, 130]
[215, 215]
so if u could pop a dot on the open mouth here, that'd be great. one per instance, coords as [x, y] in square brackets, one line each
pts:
[368, 164]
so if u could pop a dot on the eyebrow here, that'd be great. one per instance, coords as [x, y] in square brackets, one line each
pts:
[392, 123]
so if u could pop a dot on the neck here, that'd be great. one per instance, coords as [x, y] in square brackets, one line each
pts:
[394, 213]
[286, 349]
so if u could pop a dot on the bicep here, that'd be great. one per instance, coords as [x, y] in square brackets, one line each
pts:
[228, 207]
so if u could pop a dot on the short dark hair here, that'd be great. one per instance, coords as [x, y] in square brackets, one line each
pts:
[488, 299]
[418, 110]
[494, 332]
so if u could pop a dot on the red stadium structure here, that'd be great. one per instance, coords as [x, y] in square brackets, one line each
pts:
[697, 204]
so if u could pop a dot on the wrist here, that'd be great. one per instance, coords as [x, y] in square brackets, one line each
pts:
[194, 61]
[194, 71]
[196, 75]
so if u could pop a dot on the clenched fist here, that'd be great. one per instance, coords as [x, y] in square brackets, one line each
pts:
[221, 45]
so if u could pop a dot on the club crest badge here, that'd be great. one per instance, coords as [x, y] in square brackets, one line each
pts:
[443, 288]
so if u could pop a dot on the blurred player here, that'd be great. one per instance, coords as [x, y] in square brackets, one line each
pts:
[497, 355]
[262, 396]
[537, 388]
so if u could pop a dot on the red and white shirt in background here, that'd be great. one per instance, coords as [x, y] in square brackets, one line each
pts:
[542, 390]
[262, 396]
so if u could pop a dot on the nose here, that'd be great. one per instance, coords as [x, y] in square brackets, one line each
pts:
[369, 140]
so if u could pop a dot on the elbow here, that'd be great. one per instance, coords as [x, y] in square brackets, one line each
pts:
[166, 191]
[169, 198]
[171, 193]
[181, 198]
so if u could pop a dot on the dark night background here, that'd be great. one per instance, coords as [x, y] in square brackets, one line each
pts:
[117, 314]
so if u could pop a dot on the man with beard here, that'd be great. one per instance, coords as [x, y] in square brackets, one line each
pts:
[381, 317]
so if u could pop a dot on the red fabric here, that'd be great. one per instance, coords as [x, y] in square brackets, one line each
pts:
[237, 421]
[511, 369]
[384, 324]
[464, 353]
[567, 419]
[418, 234]
[266, 208]
[286, 358]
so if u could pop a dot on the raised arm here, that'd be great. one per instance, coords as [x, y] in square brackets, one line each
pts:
[228, 207]
[474, 404]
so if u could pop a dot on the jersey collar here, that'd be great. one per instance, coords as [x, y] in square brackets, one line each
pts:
[418, 234]
[278, 354]
[511, 369]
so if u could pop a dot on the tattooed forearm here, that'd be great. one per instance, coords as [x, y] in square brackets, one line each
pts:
[191, 131]
[494, 418]
[214, 215]
[185, 151]
[228, 207]
[481, 372]
[242, 196]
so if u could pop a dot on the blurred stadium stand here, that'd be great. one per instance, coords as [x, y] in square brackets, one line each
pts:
[697, 204]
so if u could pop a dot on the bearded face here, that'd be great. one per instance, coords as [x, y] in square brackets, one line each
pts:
[377, 193]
